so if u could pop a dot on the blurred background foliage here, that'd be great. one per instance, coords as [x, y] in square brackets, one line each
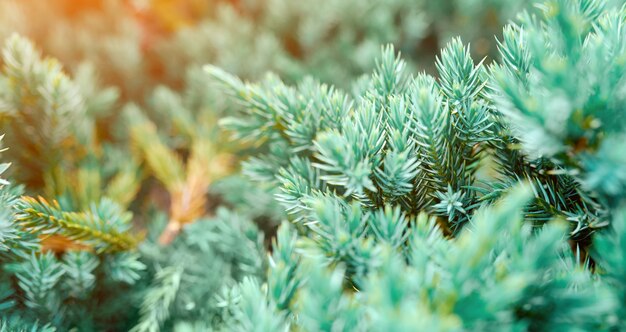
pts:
[143, 43]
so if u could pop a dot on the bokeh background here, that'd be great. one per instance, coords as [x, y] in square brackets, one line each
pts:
[138, 44]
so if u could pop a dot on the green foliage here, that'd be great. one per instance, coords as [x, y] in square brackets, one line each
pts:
[53, 120]
[455, 147]
[56, 262]
[159, 298]
[44, 106]
[440, 283]
[73, 261]
[608, 251]
[568, 122]
[16, 324]
[183, 284]
[420, 142]
[103, 226]
[489, 196]
[14, 241]
[405, 140]
[59, 289]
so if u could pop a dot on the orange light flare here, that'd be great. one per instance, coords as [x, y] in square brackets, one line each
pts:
[157, 18]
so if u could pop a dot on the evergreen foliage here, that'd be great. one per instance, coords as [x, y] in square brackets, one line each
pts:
[184, 284]
[487, 195]
[73, 260]
[356, 171]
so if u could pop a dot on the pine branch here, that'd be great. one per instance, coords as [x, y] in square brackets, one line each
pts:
[155, 308]
[37, 278]
[102, 226]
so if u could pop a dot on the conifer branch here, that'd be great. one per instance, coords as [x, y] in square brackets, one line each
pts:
[41, 217]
